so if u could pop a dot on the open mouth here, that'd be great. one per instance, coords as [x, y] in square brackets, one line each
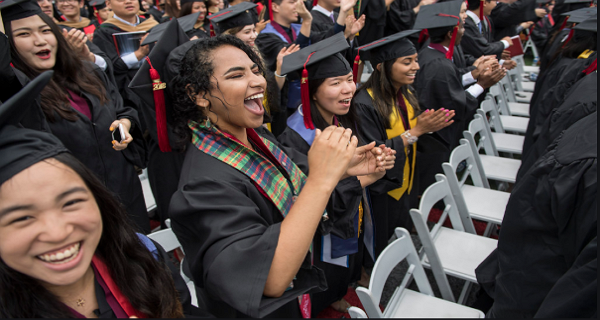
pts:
[345, 102]
[254, 103]
[43, 54]
[61, 256]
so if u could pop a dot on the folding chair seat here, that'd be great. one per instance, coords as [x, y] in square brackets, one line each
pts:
[406, 303]
[504, 142]
[446, 251]
[477, 200]
[502, 123]
[167, 239]
[493, 166]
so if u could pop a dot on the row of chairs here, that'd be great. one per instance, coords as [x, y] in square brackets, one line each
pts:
[455, 251]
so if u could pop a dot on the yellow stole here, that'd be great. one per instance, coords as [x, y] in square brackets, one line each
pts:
[585, 54]
[397, 128]
[77, 25]
[144, 26]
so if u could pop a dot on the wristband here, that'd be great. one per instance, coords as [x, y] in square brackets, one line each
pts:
[410, 138]
[278, 76]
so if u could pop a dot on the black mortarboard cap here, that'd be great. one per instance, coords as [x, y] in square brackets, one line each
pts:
[590, 24]
[21, 147]
[429, 16]
[149, 84]
[577, 16]
[186, 23]
[241, 14]
[542, 1]
[17, 9]
[97, 4]
[578, 1]
[390, 47]
[318, 61]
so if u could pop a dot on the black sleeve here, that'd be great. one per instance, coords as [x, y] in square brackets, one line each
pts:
[476, 45]
[506, 15]
[270, 45]
[401, 16]
[320, 29]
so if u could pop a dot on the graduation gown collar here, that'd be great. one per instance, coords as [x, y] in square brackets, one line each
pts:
[82, 23]
[145, 25]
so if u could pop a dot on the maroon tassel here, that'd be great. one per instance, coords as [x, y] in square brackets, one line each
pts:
[564, 24]
[305, 97]
[568, 37]
[212, 30]
[423, 35]
[481, 3]
[593, 67]
[270, 10]
[355, 67]
[158, 88]
[315, 2]
[97, 14]
[450, 51]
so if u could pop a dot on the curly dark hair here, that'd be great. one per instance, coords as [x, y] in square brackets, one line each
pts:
[195, 74]
[145, 281]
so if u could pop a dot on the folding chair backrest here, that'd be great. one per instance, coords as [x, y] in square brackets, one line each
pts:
[477, 127]
[508, 89]
[439, 190]
[166, 238]
[490, 110]
[357, 313]
[464, 152]
[499, 99]
[397, 251]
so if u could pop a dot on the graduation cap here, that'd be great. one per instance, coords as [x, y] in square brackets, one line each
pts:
[577, 16]
[97, 5]
[21, 147]
[542, 1]
[590, 24]
[390, 47]
[186, 23]
[147, 82]
[241, 14]
[578, 1]
[441, 15]
[318, 61]
[16, 9]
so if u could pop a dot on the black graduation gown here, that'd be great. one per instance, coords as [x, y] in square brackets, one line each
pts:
[401, 17]
[344, 205]
[541, 33]
[477, 44]
[550, 49]
[90, 142]
[439, 85]
[229, 232]
[387, 212]
[464, 62]
[506, 17]
[199, 32]
[322, 26]
[156, 13]
[580, 101]
[375, 23]
[550, 218]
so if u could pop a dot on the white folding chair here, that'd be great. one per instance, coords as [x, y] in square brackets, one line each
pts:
[511, 94]
[446, 251]
[502, 123]
[357, 313]
[504, 142]
[477, 200]
[147, 191]
[406, 303]
[520, 84]
[505, 107]
[524, 68]
[167, 239]
[495, 167]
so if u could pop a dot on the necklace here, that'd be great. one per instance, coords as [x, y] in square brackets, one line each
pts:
[80, 302]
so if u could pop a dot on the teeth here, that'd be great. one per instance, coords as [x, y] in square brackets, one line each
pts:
[256, 96]
[63, 256]
[346, 100]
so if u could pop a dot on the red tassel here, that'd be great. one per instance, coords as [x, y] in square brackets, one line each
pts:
[423, 35]
[305, 97]
[355, 67]
[97, 14]
[315, 2]
[270, 10]
[212, 30]
[481, 3]
[568, 37]
[158, 88]
[564, 24]
[450, 51]
[593, 67]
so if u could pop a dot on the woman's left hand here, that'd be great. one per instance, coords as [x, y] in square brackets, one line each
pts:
[77, 39]
[366, 160]
[128, 138]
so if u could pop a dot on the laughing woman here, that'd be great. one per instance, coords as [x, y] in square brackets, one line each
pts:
[389, 113]
[244, 212]
[66, 247]
[343, 251]
[82, 105]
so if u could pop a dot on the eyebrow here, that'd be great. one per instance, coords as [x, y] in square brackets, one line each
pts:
[30, 207]
[27, 28]
[240, 69]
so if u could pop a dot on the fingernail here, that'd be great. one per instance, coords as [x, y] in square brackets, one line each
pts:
[114, 141]
[447, 114]
[446, 120]
[111, 128]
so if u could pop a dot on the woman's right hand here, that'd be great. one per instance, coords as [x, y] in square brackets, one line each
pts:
[284, 52]
[432, 121]
[330, 154]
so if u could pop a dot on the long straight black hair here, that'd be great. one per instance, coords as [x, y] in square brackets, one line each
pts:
[145, 281]
[384, 94]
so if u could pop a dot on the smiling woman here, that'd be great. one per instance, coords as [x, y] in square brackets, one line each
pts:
[67, 248]
[244, 212]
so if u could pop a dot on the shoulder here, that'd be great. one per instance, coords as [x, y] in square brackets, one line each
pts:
[292, 139]
[363, 99]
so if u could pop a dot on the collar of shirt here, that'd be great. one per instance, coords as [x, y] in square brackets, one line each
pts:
[137, 21]
[322, 10]
[473, 16]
